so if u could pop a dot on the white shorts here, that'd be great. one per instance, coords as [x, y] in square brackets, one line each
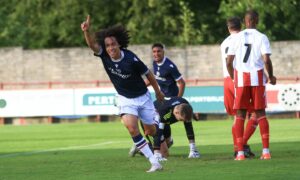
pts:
[141, 107]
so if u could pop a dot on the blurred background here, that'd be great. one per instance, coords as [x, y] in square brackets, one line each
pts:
[35, 24]
[47, 71]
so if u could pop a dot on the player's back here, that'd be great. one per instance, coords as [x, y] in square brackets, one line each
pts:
[224, 50]
[165, 108]
[249, 46]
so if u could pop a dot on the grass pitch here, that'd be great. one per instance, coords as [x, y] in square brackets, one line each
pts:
[100, 151]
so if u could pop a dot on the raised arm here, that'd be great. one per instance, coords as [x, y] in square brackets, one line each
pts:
[88, 38]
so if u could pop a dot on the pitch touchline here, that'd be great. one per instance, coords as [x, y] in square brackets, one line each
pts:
[56, 149]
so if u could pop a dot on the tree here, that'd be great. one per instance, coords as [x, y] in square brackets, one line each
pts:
[153, 21]
[53, 23]
[188, 33]
[278, 19]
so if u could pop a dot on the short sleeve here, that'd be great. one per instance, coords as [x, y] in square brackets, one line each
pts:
[265, 47]
[174, 72]
[232, 45]
[139, 66]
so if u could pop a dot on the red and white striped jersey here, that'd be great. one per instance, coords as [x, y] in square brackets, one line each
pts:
[224, 49]
[248, 47]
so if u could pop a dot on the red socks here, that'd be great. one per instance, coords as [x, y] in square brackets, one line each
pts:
[250, 129]
[240, 138]
[239, 131]
[235, 148]
[264, 131]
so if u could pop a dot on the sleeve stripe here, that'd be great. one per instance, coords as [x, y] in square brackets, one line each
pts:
[180, 77]
[145, 73]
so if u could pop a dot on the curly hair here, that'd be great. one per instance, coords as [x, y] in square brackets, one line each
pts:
[117, 31]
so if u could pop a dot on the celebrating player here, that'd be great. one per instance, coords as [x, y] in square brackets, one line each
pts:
[234, 27]
[125, 69]
[251, 50]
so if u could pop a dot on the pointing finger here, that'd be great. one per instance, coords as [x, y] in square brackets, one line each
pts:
[88, 19]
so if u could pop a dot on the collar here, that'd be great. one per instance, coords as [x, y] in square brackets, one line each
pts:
[118, 60]
[163, 61]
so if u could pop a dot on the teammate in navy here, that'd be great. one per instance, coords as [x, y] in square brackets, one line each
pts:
[166, 73]
[171, 84]
[125, 71]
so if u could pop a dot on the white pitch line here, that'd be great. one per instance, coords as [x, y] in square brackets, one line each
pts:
[56, 149]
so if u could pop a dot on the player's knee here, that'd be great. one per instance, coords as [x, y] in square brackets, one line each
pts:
[133, 130]
[241, 113]
[150, 131]
[260, 113]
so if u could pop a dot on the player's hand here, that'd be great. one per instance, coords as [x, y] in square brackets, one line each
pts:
[86, 24]
[160, 96]
[272, 80]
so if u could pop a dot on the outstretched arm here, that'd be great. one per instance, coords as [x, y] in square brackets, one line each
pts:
[88, 38]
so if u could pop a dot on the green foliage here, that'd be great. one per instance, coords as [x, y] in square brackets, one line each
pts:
[153, 21]
[278, 19]
[189, 34]
[52, 23]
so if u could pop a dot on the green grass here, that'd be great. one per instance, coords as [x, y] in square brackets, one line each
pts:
[99, 151]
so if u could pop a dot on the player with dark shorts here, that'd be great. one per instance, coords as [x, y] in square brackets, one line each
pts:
[170, 111]
[172, 84]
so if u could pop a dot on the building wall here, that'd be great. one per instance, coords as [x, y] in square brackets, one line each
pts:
[79, 64]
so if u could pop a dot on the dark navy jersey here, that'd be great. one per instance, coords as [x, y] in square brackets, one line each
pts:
[165, 109]
[125, 74]
[166, 75]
